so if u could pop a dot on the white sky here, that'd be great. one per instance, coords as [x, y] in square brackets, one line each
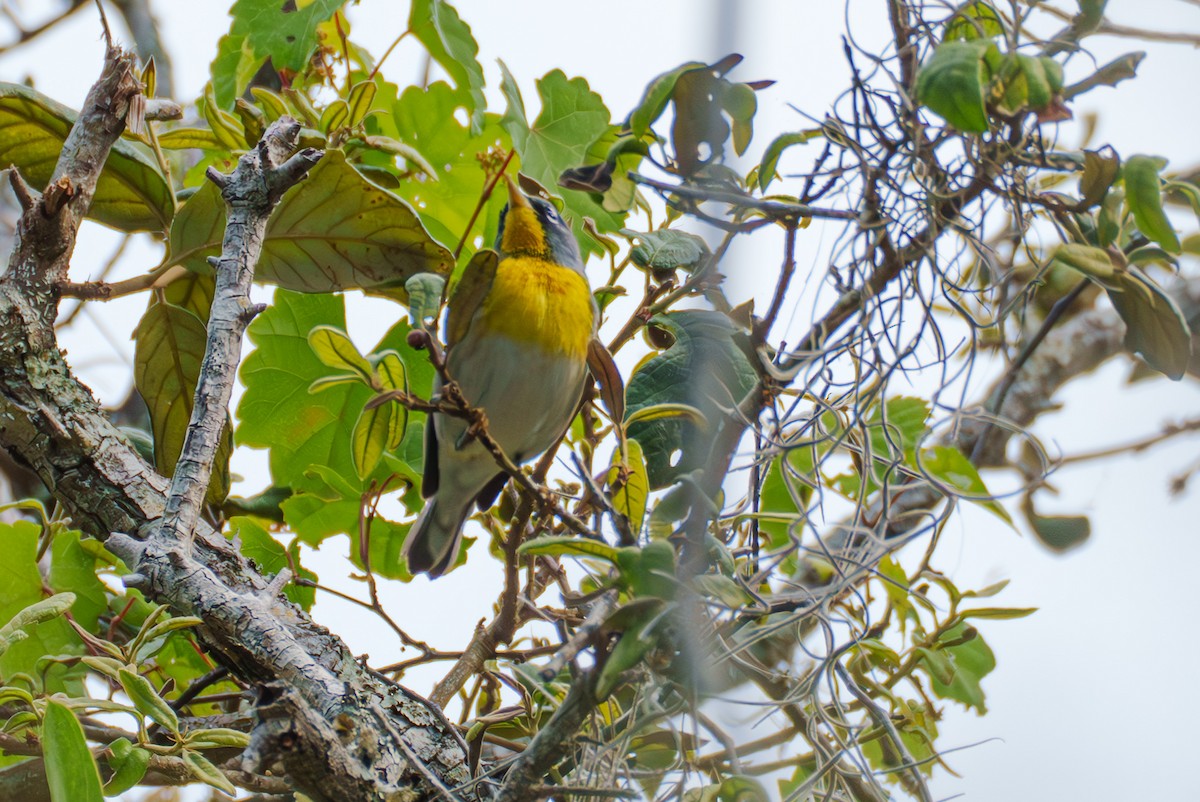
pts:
[1091, 698]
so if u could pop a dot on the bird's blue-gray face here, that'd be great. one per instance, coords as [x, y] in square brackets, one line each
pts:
[561, 246]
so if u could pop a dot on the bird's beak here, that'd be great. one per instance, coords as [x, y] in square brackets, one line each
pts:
[516, 198]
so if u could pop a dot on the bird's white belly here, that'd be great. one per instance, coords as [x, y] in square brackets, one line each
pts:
[529, 395]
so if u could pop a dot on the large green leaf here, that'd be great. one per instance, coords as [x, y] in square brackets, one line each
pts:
[334, 231]
[704, 369]
[71, 770]
[571, 119]
[271, 557]
[449, 41]
[425, 119]
[132, 194]
[168, 352]
[73, 570]
[285, 32]
[21, 587]
[656, 97]
[278, 412]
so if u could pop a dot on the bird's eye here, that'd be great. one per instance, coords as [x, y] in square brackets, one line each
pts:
[552, 215]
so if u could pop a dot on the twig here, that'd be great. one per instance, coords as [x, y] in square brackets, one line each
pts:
[1169, 431]
[776, 210]
[251, 192]
[551, 741]
[104, 291]
[24, 35]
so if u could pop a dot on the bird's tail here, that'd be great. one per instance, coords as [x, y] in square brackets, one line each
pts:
[433, 541]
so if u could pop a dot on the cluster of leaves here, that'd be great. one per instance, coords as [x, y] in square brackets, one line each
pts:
[397, 208]
[49, 645]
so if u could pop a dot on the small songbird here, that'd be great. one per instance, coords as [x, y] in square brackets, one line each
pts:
[517, 336]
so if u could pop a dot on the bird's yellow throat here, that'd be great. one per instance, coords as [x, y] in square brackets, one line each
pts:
[538, 302]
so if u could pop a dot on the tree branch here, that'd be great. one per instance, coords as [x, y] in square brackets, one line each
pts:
[325, 729]
[250, 192]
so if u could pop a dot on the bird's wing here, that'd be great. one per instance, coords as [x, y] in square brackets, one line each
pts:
[468, 296]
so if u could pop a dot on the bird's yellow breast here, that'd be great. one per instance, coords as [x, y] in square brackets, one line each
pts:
[538, 302]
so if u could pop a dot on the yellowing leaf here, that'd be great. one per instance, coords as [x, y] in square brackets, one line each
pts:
[132, 195]
[629, 495]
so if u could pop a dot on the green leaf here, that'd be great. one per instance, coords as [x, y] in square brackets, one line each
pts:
[955, 474]
[374, 432]
[36, 613]
[774, 151]
[629, 497]
[1060, 533]
[972, 660]
[781, 515]
[168, 356]
[953, 82]
[571, 119]
[1026, 82]
[147, 701]
[703, 369]
[633, 645]
[1154, 325]
[1100, 170]
[184, 138]
[648, 571]
[977, 20]
[359, 101]
[1143, 195]
[233, 67]
[73, 570]
[71, 770]
[424, 297]
[50, 634]
[573, 546]
[334, 231]
[203, 770]
[256, 543]
[335, 350]
[225, 127]
[217, 737]
[1111, 74]
[277, 410]
[286, 32]
[667, 249]
[699, 130]
[129, 764]
[1095, 263]
[425, 119]
[450, 43]
[131, 195]
[335, 116]
[893, 439]
[997, 613]
[654, 100]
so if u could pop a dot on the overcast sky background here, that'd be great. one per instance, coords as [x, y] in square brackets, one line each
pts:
[1092, 697]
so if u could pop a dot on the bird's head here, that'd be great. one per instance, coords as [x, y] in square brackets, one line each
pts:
[533, 227]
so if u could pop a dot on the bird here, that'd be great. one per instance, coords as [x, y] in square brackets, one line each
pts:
[517, 335]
